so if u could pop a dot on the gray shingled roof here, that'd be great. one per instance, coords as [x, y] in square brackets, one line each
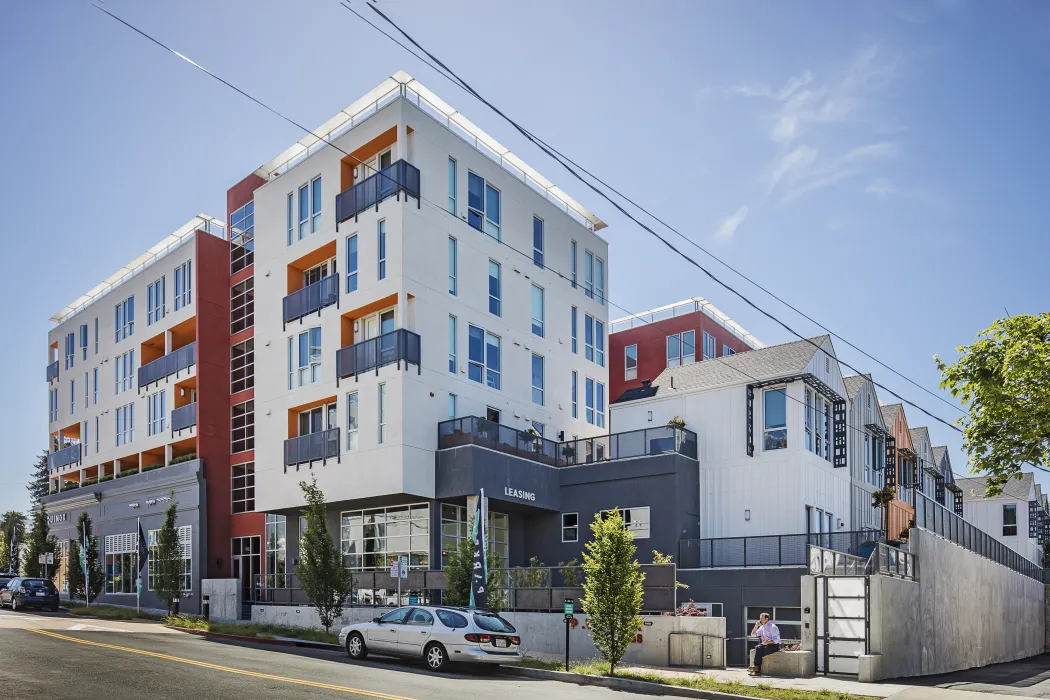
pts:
[939, 454]
[765, 363]
[1014, 488]
[889, 413]
[854, 382]
[919, 434]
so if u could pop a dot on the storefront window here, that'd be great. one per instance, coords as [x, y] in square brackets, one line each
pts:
[371, 540]
[454, 529]
[276, 549]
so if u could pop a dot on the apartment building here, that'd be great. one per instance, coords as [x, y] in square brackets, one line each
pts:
[866, 436]
[680, 334]
[902, 470]
[138, 385]
[1017, 517]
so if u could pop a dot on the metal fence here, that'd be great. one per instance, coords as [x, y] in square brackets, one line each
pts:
[311, 298]
[315, 447]
[769, 550]
[386, 349]
[828, 562]
[634, 443]
[52, 371]
[172, 363]
[891, 561]
[64, 457]
[399, 176]
[184, 417]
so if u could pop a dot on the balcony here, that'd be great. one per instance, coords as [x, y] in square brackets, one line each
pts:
[400, 176]
[311, 298]
[64, 457]
[307, 449]
[386, 349]
[636, 443]
[184, 417]
[172, 363]
[52, 371]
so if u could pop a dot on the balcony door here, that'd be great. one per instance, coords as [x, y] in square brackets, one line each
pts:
[314, 274]
[375, 164]
[317, 420]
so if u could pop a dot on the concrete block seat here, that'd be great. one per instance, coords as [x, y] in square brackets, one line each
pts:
[788, 664]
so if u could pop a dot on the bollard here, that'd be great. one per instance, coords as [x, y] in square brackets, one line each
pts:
[205, 607]
[175, 606]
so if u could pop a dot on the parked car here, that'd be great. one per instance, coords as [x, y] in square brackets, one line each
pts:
[437, 634]
[5, 578]
[29, 593]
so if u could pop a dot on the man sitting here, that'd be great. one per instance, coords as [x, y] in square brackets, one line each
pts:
[769, 634]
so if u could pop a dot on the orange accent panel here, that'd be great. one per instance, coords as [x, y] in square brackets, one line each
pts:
[369, 309]
[293, 413]
[380, 143]
[314, 257]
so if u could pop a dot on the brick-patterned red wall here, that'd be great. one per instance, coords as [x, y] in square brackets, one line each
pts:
[651, 340]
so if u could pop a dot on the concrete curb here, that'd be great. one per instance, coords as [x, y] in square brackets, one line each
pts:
[276, 641]
[620, 684]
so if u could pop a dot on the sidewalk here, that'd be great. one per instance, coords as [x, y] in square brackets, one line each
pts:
[842, 685]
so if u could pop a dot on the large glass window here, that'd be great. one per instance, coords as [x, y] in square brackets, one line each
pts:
[125, 320]
[594, 399]
[185, 557]
[122, 561]
[495, 283]
[124, 367]
[710, 347]
[630, 362]
[304, 211]
[242, 306]
[71, 348]
[483, 357]
[787, 620]
[156, 410]
[1009, 519]
[635, 521]
[242, 238]
[351, 264]
[537, 311]
[371, 539]
[382, 250]
[315, 204]
[599, 343]
[681, 349]
[483, 205]
[453, 282]
[455, 528]
[599, 280]
[183, 284]
[243, 487]
[277, 548]
[537, 241]
[154, 303]
[307, 349]
[775, 419]
[588, 274]
[242, 366]
[125, 424]
[243, 427]
[537, 379]
[588, 337]
[452, 186]
[353, 419]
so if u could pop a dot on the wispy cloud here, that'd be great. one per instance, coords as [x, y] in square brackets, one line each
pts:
[880, 188]
[727, 229]
[791, 165]
[835, 170]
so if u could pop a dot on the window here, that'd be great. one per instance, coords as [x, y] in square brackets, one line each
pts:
[307, 349]
[635, 521]
[52, 409]
[599, 279]
[594, 398]
[710, 346]
[315, 204]
[570, 527]
[727, 351]
[787, 620]
[122, 563]
[572, 262]
[537, 311]
[819, 522]
[492, 414]
[537, 379]
[540, 428]
[588, 274]
[382, 250]
[352, 421]
[452, 398]
[125, 319]
[681, 349]
[599, 343]
[452, 186]
[242, 366]
[83, 340]
[483, 205]
[87, 439]
[87, 391]
[96, 434]
[630, 362]
[1009, 519]
[242, 238]
[572, 329]
[155, 413]
[243, 487]
[96, 335]
[454, 526]
[94, 385]
[155, 302]
[70, 349]
[588, 337]
[809, 421]
[371, 539]
[351, 263]
[277, 548]
[537, 241]
[494, 287]
[242, 427]
[453, 286]
[483, 357]
[775, 417]
[242, 306]
[72, 396]
[125, 424]
[382, 413]
[867, 458]
[304, 211]
[183, 284]
[124, 365]
[452, 344]
[575, 400]
[451, 620]
[184, 555]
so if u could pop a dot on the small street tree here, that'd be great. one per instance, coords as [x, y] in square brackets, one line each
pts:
[459, 570]
[13, 533]
[40, 541]
[612, 587]
[167, 561]
[39, 482]
[1002, 380]
[96, 576]
[321, 574]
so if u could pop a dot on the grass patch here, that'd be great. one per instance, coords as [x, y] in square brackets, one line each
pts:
[245, 629]
[112, 612]
[600, 668]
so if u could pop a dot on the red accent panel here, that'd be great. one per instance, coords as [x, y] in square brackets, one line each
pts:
[242, 193]
[242, 275]
[651, 340]
[246, 524]
[243, 457]
[242, 396]
[236, 337]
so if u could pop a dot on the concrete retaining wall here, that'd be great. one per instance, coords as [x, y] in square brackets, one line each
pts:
[543, 634]
[224, 598]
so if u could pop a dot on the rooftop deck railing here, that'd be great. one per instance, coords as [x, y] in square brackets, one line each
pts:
[311, 298]
[386, 349]
[172, 363]
[770, 550]
[686, 307]
[400, 176]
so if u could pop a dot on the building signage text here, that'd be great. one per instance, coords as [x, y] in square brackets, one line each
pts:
[518, 493]
[57, 518]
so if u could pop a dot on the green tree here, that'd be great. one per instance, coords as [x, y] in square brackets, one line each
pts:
[321, 574]
[40, 541]
[96, 576]
[1002, 380]
[39, 480]
[167, 561]
[459, 569]
[612, 587]
[1046, 555]
[12, 531]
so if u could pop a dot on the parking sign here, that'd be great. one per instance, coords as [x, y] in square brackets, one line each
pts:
[403, 568]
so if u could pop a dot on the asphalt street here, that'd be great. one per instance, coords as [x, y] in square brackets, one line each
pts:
[63, 658]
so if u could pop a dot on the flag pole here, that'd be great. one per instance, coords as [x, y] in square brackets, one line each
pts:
[138, 568]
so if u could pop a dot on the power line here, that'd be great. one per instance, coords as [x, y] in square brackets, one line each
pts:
[662, 239]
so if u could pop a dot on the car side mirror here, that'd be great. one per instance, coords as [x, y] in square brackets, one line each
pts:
[375, 619]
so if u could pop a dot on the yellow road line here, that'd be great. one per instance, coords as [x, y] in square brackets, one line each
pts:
[227, 669]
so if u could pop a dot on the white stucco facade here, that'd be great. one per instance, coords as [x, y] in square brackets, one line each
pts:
[991, 514]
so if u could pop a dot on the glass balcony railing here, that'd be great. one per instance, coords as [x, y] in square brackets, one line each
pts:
[311, 298]
[400, 176]
[172, 363]
[636, 443]
[184, 417]
[315, 447]
[64, 457]
[52, 371]
[396, 346]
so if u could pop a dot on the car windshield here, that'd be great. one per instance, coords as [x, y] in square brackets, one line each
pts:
[491, 622]
[4, 581]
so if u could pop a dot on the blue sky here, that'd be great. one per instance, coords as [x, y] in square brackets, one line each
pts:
[880, 165]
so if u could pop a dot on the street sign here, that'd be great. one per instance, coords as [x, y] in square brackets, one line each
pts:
[403, 568]
[50, 558]
[569, 607]
[413, 600]
[42, 559]
[395, 569]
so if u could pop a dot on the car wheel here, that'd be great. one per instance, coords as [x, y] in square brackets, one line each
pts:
[436, 657]
[14, 604]
[355, 646]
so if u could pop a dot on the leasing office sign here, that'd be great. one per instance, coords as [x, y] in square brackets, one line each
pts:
[519, 494]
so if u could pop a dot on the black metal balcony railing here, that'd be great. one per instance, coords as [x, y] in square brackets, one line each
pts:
[316, 447]
[64, 457]
[184, 417]
[52, 371]
[399, 176]
[311, 298]
[386, 349]
[770, 550]
[636, 443]
[172, 363]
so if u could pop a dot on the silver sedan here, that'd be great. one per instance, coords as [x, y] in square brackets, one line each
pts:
[436, 634]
